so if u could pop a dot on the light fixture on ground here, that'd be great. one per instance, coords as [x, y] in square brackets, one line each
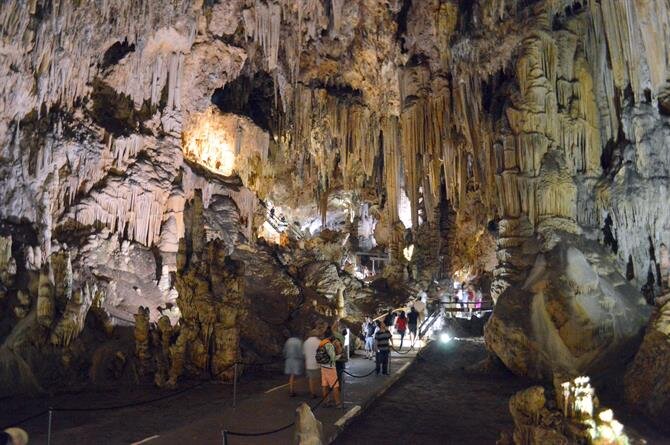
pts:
[445, 337]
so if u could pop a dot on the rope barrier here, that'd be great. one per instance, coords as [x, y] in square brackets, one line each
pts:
[264, 433]
[24, 420]
[123, 406]
[145, 402]
[358, 376]
[227, 433]
[130, 405]
[182, 391]
[406, 352]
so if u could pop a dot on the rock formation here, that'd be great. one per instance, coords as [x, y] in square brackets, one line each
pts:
[647, 383]
[574, 417]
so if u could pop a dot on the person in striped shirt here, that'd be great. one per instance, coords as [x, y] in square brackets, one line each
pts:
[384, 341]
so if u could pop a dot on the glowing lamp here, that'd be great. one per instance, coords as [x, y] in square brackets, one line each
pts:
[445, 338]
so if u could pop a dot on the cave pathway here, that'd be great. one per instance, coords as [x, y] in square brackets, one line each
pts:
[439, 402]
[200, 415]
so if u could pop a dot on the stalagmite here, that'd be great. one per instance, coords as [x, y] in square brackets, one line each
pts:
[142, 339]
[72, 321]
[7, 262]
[45, 297]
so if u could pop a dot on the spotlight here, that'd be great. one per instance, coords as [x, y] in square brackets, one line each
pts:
[445, 337]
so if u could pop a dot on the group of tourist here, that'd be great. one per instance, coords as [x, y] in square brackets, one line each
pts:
[322, 358]
[379, 336]
[400, 323]
[466, 301]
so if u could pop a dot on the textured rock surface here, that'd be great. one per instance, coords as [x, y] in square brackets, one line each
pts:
[647, 384]
[573, 315]
[537, 128]
[578, 418]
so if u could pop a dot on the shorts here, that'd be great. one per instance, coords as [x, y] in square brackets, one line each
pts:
[369, 343]
[329, 377]
[314, 374]
[412, 328]
[293, 366]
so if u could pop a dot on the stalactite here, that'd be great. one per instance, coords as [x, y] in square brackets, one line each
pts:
[267, 30]
[393, 165]
[63, 56]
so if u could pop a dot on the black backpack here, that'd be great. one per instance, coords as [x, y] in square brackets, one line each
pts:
[371, 329]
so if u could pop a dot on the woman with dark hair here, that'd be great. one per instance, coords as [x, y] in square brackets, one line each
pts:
[401, 326]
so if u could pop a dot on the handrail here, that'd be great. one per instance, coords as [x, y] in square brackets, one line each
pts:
[404, 308]
[275, 222]
[434, 316]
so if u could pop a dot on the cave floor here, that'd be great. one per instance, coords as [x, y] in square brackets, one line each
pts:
[438, 402]
[197, 416]
[441, 401]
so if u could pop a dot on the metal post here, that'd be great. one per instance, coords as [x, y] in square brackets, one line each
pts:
[234, 385]
[51, 413]
[224, 437]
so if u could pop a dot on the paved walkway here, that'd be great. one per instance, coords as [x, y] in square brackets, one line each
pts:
[273, 409]
[199, 416]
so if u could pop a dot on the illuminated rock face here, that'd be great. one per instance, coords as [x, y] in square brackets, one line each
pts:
[578, 419]
[539, 128]
[574, 314]
[225, 143]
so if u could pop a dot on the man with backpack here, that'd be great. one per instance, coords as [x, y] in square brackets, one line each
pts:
[326, 356]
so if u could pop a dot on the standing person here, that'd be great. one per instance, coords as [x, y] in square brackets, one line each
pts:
[338, 343]
[389, 319]
[378, 325]
[312, 368]
[471, 301]
[364, 332]
[293, 363]
[401, 326]
[326, 357]
[412, 323]
[384, 340]
[420, 306]
[369, 332]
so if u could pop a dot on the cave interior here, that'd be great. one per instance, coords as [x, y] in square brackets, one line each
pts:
[184, 185]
